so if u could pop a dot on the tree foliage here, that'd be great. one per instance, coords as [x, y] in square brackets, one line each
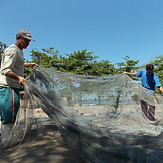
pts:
[2, 48]
[46, 58]
[83, 62]
[128, 65]
[158, 64]
[102, 68]
[79, 62]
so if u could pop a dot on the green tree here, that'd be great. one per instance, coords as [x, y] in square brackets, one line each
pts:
[79, 62]
[102, 68]
[128, 65]
[82, 62]
[158, 64]
[46, 58]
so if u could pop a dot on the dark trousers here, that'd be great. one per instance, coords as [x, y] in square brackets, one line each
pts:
[148, 110]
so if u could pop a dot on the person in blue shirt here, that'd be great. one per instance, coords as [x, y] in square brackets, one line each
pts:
[149, 81]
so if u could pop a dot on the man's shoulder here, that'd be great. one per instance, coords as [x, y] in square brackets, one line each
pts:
[143, 70]
[12, 49]
[13, 46]
[141, 73]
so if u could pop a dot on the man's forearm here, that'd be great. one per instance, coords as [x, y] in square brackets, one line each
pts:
[30, 65]
[12, 75]
[130, 73]
[161, 89]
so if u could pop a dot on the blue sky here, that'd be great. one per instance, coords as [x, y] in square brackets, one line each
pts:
[111, 29]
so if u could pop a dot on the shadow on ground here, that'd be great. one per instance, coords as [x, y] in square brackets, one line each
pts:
[43, 144]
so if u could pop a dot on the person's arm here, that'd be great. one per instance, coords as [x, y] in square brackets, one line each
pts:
[12, 75]
[157, 83]
[130, 73]
[161, 89]
[30, 65]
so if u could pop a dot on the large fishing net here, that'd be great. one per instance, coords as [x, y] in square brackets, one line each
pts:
[100, 119]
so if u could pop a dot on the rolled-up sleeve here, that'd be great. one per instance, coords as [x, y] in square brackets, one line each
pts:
[138, 74]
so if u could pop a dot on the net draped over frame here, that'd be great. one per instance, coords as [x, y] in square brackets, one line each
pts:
[102, 116]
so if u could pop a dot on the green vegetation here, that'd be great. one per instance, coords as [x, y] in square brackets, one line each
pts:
[2, 47]
[83, 62]
[80, 62]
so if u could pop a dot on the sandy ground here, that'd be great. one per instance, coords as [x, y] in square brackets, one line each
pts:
[43, 144]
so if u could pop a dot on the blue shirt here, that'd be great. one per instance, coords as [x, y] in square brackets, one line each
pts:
[148, 81]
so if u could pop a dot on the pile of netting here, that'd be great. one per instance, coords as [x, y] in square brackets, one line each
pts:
[99, 118]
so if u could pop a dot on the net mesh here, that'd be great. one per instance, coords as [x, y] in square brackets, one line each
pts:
[100, 119]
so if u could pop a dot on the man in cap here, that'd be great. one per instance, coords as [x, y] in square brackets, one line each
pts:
[11, 77]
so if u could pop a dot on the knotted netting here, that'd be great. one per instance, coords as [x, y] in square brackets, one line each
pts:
[99, 118]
